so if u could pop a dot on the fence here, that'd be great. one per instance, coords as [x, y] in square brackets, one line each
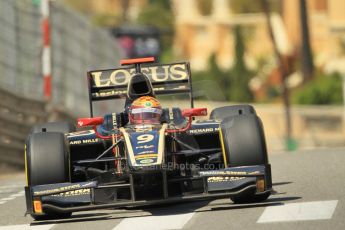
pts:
[76, 46]
[20, 48]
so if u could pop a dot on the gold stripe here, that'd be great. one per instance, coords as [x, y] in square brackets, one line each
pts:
[128, 145]
[161, 143]
[26, 167]
[222, 144]
[146, 156]
[69, 165]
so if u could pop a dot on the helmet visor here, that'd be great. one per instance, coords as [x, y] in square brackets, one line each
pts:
[145, 115]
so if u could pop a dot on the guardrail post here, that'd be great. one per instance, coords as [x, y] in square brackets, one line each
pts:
[46, 54]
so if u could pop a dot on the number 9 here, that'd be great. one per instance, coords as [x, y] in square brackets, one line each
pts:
[145, 138]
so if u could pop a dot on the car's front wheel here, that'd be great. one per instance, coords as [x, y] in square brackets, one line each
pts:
[47, 162]
[244, 144]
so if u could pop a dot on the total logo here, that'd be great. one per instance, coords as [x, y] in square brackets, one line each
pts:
[146, 161]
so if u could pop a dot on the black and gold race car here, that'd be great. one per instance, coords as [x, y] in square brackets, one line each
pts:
[111, 162]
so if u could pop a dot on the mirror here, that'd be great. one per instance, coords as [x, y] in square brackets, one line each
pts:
[92, 121]
[194, 112]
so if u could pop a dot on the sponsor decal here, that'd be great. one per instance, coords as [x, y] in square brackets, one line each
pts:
[56, 190]
[203, 130]
[146, 156]
[114, 120]
[146, 128]
[223, 179]
[121, 77]
[78, 142]
[145, 152]
[68, 190]
[146, 161]
[87, 141]
[227, 173]
[88, 184]
[145, 147]
[79, 192]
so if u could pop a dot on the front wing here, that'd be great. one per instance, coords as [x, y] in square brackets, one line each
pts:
[73, 197]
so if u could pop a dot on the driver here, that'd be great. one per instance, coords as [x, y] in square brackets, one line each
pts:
[145, 110]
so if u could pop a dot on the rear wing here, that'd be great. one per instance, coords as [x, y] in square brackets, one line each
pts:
[165, 79]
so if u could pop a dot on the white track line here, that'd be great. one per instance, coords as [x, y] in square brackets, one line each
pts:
[7, 198]
[318, 210]
[18, 194]
[27, 227]
[155, 222]
[5, 191]
[12, 197]
[11, 186]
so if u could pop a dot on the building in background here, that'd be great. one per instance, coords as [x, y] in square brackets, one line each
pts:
[127, 9]
[198, 37]
[326, 24]
[109, 12]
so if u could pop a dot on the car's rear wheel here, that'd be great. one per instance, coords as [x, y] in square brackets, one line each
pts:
[244, 144]
[47, 162]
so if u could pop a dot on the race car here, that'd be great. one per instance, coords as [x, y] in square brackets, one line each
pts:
[147, 154]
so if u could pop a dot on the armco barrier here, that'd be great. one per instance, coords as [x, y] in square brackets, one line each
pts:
[17, 116]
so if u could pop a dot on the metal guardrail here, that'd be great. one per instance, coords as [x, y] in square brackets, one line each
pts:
[17, 116]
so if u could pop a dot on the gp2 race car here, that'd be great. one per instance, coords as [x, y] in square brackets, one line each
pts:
[111, 162]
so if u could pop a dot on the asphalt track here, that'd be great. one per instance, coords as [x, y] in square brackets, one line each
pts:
[309, 185]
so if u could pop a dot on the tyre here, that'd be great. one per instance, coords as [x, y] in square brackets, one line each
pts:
[60, 127]
[232, 110]
[244, 144]
[47, 162]
[244, 141]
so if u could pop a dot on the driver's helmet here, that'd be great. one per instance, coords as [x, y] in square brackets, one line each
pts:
[145, 110]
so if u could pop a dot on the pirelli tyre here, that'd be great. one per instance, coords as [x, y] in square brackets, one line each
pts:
[243, 144]
[231, 110]
[60, 127]
[47, 162]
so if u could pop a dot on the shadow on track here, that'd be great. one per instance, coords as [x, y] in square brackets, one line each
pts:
[281, 183]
